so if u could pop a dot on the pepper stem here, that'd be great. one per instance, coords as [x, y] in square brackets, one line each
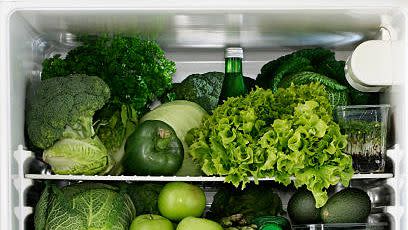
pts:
[163, 140]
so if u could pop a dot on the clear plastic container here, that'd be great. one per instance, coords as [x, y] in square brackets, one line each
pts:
[366, 130]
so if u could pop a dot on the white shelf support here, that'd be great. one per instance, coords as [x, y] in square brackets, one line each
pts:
[397, 184]
[21, 184]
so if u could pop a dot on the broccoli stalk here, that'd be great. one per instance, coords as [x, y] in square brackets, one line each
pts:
[81, 130]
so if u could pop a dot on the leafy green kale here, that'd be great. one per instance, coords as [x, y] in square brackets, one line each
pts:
[252, 202]
[64, 107]
[290, 133]
[203, 89]
[317, 60]
[135, 69]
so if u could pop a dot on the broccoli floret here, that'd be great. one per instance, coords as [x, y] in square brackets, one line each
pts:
[203, 89]
[64, 107]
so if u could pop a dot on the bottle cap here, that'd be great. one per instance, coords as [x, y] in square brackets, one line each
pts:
[234, 52]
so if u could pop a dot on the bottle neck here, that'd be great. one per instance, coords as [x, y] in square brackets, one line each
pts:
[233, 65]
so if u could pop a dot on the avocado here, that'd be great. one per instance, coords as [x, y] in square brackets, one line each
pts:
[302, 208]
[350, 205]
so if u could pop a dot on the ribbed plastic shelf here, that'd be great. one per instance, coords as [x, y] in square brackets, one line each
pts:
[345, 226]
[171, 178]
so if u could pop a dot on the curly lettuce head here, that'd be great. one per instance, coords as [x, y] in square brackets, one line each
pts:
[290, 133]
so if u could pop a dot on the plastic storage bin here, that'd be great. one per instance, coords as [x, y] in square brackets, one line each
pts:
[366, 130]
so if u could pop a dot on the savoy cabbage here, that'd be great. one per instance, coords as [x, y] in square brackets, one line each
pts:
[84, 206]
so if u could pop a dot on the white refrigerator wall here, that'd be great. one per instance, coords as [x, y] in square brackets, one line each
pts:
[194, 36]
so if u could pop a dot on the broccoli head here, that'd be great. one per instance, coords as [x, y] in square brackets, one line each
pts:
[64, 107]
[203, 89]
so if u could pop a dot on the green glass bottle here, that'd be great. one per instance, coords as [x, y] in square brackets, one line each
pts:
[272, 223]
[233, 84]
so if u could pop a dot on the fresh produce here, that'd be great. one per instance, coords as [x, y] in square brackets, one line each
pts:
[182, 116]
[236, 222]
[59, 120]
[338, 94]
[252, 202]
[302, 208]
[178, 200]
[83, 206]
[144, 196]
[64, 107]
[365, 144]
[113, 128]
[272, 222]
[350, 205]
[151, 222]
[136, 71]
[194, 223]
[81, 156]
[283, 134]
[317, 60]
[153, 149]
[203, 89]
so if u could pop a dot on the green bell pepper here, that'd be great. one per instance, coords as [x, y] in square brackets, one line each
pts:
[153, 149]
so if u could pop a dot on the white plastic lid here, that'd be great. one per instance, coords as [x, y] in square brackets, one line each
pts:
[369, 68]
[234, 52]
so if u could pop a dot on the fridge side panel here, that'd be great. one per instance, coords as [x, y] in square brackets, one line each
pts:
[400, 58]
[5, 202]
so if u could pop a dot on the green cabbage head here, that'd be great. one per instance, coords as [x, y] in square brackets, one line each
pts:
[86, 156]
[84, 206]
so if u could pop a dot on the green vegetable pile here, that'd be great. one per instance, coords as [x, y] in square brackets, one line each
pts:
[283, 134]
[136, 71]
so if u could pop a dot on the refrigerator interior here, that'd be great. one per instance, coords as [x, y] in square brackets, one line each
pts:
[195, 40]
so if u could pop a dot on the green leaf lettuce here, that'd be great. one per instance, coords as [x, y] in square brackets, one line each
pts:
[290, 133]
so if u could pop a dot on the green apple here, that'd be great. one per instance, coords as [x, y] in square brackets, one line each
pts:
[151, 222]
[193, 223]
[178, 200]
